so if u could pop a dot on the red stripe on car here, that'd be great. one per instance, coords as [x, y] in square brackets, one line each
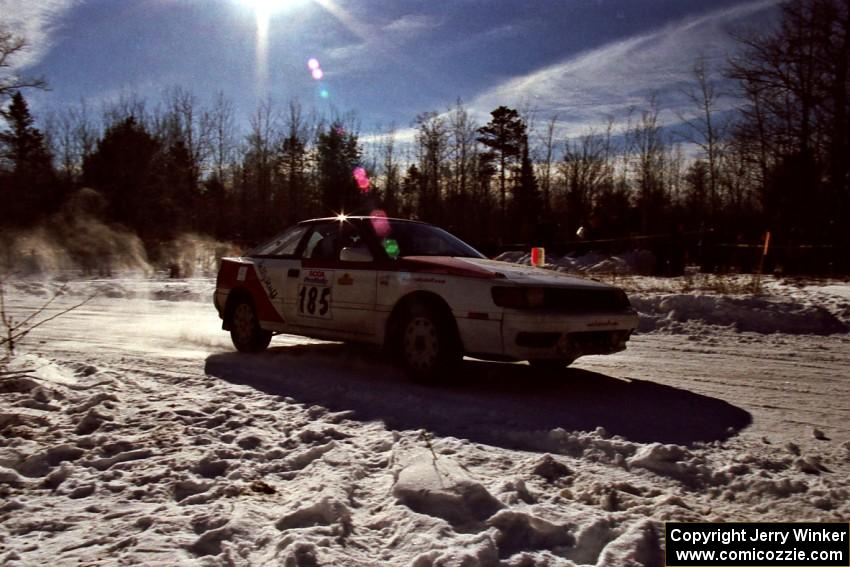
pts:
[228, 276]
[445, 265]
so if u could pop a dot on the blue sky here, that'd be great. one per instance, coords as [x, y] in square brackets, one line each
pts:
[386, 60]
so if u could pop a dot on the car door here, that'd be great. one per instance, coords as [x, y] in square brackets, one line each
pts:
[335, 295]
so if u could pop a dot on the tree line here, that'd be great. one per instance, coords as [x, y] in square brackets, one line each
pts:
[778, 161]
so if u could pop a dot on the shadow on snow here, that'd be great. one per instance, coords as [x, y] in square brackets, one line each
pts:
[508, 405]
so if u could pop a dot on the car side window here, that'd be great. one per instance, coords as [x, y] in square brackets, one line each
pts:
[327, 240]
[283, 244]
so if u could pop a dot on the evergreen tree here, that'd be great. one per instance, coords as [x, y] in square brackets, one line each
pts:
[411, 191]
[125, 168]
[526, 202]
[504, 136]
[27, 177]
[293, 173]
[337, 155]
[178, 189]
[483, 223]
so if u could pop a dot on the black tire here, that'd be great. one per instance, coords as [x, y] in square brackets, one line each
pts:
[549, 364]
[428, 345]
[245, 331]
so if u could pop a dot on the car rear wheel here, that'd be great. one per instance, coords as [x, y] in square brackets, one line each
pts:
[428, 344]
[245, 331]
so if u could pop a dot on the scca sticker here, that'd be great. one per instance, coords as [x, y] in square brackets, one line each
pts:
[316, 277]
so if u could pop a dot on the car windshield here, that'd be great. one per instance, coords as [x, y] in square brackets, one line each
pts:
[400, 238]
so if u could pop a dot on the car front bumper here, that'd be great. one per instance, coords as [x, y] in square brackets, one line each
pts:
[553, 336]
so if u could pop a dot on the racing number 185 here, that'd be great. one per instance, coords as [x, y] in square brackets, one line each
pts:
[314, 301]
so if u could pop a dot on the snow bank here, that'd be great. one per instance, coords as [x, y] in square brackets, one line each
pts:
[744, 314]
[676, 462]
[785, 308]
[638, 546]
[439, 487]
[158, 289]
[633, 262]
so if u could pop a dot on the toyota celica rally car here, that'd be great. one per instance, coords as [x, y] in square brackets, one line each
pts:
[417, 291]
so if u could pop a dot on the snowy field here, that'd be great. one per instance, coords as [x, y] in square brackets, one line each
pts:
[132, 433]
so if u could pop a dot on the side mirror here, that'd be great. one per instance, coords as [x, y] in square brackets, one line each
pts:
[355, 254]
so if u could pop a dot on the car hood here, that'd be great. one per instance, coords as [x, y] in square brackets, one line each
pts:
[517, 273]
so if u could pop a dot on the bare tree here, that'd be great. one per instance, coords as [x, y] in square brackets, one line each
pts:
[222, 134]
[293, 162]
[259, 162]
[72, 137]
[10, 82]
[16, 330]
[548, 142]
[584, 171]
[674, 165]
[463, 150]
[647, 141]
[185, 124]
[432, 145]
[390, 171]
[795, 123]
[127, 105]
[703, 128]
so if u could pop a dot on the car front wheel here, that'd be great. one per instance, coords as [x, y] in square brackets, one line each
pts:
[245, 331]
[428, 344]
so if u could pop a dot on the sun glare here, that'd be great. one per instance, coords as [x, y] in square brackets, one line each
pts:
[266, 7]
[263, 11]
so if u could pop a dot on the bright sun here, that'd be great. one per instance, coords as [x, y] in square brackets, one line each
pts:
[266, 7]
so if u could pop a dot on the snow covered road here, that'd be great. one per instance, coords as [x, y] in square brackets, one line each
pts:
[131, 433]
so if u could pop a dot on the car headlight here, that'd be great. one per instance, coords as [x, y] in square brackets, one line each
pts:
[519, 297]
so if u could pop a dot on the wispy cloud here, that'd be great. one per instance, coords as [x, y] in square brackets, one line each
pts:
[411, 24]
[586, 89]
[36, 21]
[374, 37]
[402, 137]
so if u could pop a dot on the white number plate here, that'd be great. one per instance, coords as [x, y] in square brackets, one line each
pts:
[314, 301]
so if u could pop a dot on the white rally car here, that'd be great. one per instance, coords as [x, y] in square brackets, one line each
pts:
[417, 290]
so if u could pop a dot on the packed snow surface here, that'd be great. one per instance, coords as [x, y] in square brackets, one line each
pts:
[132, 433]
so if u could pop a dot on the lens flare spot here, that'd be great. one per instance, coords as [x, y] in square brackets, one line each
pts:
[324, 93]
[362, 179]
[313, 64]
[317, 74]
[391, 247]
[380, 223]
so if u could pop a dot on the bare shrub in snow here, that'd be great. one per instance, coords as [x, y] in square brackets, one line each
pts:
[15, 330]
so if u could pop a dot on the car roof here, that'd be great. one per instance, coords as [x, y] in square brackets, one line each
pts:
[361, 218]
